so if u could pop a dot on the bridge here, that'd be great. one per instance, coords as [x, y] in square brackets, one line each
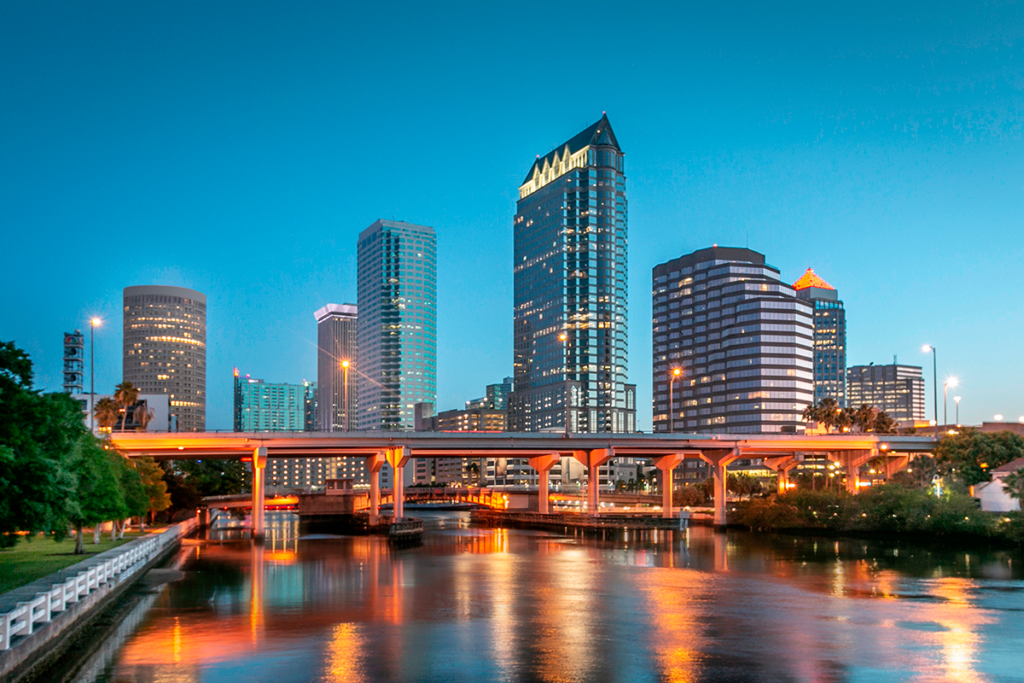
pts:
[542, 450]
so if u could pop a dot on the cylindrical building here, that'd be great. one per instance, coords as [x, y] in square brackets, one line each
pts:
[165, 349]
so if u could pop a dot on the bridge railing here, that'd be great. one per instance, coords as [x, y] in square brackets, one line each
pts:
[29, 616]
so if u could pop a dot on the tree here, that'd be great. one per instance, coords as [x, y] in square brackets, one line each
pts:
[106, 412]
[152, 475]
[136, 498]
[825, 413]
[884, 424]
[863, 419]
[142, 416]
[126, 394]
[971, 455]
[1013, 484]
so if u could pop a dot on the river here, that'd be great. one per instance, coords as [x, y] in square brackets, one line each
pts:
[481, 604]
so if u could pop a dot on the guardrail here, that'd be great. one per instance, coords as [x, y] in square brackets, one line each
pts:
[30, 616]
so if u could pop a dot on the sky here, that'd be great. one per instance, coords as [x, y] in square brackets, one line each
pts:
[238, 148]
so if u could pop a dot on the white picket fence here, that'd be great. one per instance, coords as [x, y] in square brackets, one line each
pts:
[28, 617]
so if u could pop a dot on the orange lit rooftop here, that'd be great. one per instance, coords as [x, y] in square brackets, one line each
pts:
[810, 279]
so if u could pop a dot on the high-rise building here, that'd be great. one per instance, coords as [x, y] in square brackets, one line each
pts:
[829, 336]
[496, 397]
[74, 362]
[896, 389]
[397, 331]
[741, 339]
[570, 319]
[165, 349]
[336, 329]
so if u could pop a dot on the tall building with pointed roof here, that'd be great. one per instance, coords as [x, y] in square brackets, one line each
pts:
[829, 336]
[570, 319]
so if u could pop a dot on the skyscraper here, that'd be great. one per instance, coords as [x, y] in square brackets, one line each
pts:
[570, 320]
[165, 349]
[336, 329]
[896, 389]
[74, 362]
[397, 330]
[829, 336]
[741, 339]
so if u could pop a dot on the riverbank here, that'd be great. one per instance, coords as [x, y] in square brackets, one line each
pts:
[36, 556]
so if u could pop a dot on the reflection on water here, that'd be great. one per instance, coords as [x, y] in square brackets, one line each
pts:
[478, 604]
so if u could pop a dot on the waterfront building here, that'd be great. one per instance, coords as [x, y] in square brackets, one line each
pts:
[570, 275]
[896, 389]
[397, 330]
[74, 362]
[158, 406]
[741, 340]
[165, 349]
[336, 330]
[829, 337]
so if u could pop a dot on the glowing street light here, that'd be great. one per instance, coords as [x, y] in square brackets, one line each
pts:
[956, 400]
[676, 372]
[563, 337]
[950, 382]
[935, 383]
[999, 418]
[93, 324]
[344, 366]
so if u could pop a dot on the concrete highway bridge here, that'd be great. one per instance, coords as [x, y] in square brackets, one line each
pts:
[541, 450]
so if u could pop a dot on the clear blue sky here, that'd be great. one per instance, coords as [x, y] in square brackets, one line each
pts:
[239, 148]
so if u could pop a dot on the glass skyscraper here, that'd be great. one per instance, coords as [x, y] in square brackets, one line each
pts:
[741, 340]
[336, 329]
[829, 336]
[570, 320]
[397, 330]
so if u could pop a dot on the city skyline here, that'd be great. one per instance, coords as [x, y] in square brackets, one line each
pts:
[883, 144]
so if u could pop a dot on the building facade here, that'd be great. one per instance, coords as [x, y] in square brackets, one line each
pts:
[570, 317]
[896, 389]
[741, 339]
[829, 337]
[74, 362]
[397, 331]
[165, 349]
[336, 334]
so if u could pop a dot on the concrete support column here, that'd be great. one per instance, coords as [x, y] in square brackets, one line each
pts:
[667, 464]
[259, 464]
[783, 480]
[373, 465]
[719, 461]
[397, 457]
[593, 460]
[543, 465]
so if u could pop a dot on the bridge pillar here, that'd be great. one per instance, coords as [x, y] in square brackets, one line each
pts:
[397, 457]
[543, 465]
[259, 464]
[593, 460]
[719, 460]
[373, 464]
[667, 464]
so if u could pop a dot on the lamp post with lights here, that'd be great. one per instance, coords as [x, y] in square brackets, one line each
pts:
[956, 400]
[93, 324]
[676, 372]
[344, 367]
[951, 382]
[564, 338]
[935, 384]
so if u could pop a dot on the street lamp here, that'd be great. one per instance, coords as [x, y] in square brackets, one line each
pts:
[344, 367]
[563, 337]
[676, 372]
[950, 382]
[93, 324]
[935, 384]
[956, 400]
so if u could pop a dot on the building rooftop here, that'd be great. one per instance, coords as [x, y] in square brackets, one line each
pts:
[1010, 466]
[810, 279]
[598, 134]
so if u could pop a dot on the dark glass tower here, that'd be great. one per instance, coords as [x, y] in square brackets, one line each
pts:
[829, 336]
[570, 320]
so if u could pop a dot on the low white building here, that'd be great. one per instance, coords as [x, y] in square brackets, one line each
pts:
[992, 495]
[159, 404]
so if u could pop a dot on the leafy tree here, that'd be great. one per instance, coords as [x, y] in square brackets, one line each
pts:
[106, 412]
[884, 424]
[136, 499]
[126, 394]
[152, 475]
[971, 455]
[688, 496]
[1013, 484]
[214, 477]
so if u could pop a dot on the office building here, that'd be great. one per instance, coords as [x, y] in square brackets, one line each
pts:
[165, 349]
[397, 331]
[496, 397]
[74, 362]
[570, 319]
[741, 340]
[336, 329]
[896, 389]
[829, 337]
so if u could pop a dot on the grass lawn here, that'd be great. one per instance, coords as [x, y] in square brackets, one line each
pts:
[31, 560]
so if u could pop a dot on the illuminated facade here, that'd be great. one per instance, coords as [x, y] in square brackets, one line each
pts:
[742, 340]
[829, 336]
[336, 330]
[896, 389]
[165, 349]
[570, 319]
[74, 362]
[397, 330]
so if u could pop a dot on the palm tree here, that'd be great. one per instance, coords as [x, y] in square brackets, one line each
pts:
[106, 411]
[884, 424]
[126, 394]
[826, 412]
[142, 417]
[864, 418]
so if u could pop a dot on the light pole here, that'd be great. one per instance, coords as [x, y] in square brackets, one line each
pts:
[671, 400]
[935, 384]
[956, 400]
[563, 337]
[951, 382]
[344, 367]
[93, 324]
